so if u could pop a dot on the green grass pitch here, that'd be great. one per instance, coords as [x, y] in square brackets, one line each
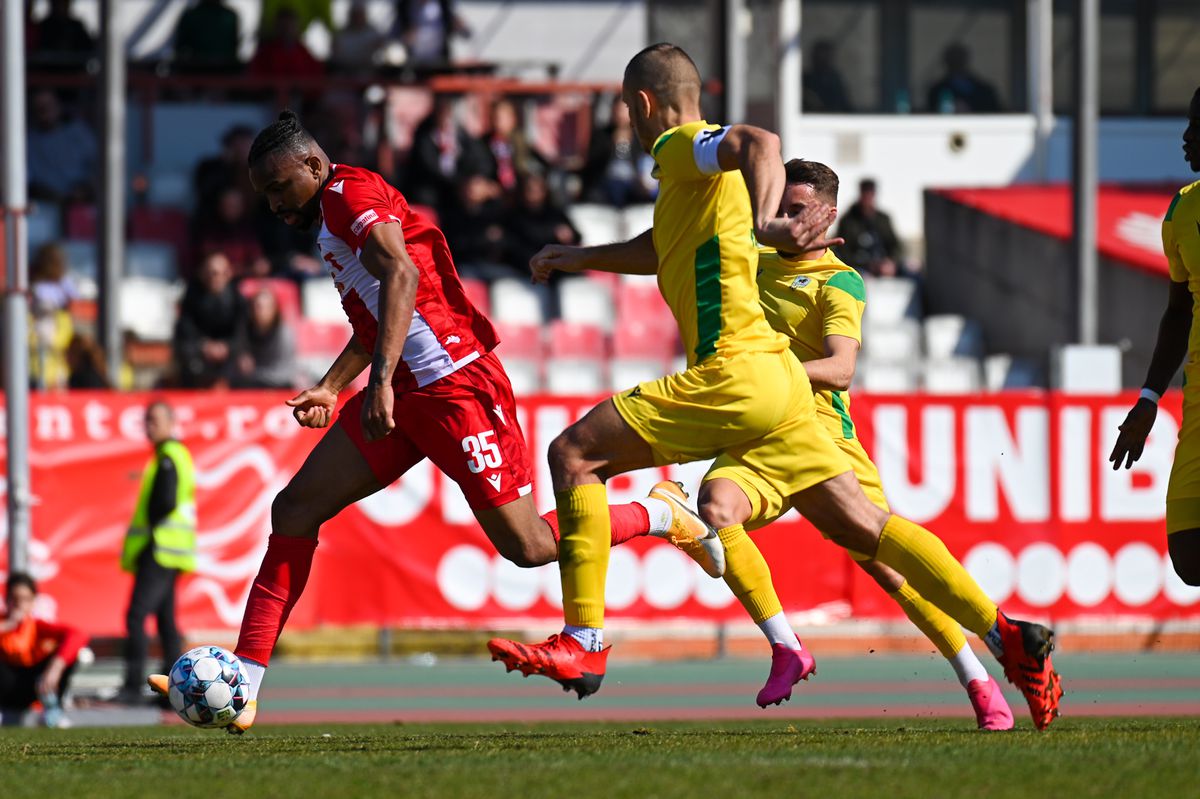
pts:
[894, 758]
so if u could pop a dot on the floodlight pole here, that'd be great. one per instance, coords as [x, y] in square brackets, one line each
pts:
[16, 283]
[735, 61]
[112, 184]
[1083, 175]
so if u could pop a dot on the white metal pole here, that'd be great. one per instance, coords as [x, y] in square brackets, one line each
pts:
[735, 61]
[1040, 40]
[16, 329]
[1084, 174]
[788, 104]
[112, 184]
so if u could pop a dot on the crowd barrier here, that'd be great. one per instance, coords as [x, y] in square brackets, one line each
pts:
[1018, 485]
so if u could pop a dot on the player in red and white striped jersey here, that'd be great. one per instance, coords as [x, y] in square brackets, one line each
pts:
[436, 390]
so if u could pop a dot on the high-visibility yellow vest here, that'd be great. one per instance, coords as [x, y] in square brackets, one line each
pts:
[175, 535]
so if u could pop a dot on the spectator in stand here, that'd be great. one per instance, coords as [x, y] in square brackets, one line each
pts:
[961, 91]
[355, 46]
[505, 149]
[264, 350]
[536, 221]
[37, 657]
[61, 41]
[227, 227]
[424, 27]
[476, 231]
[443, 155]
[871, 244]
[306, 11]
[824, 89]
[51, 292]
[206, 38]
[61, 153]
[209, 316]
[282, 54]
[228, 168]
[617, 172]
[85, 360]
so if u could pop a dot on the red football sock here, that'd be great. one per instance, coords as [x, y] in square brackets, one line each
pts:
[279, 583]
[627, 521]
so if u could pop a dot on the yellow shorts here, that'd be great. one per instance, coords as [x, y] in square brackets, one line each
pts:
[756, 410]
[1183, 490]
[767, 504]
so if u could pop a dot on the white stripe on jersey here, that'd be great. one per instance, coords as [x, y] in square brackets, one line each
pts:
[423, 354]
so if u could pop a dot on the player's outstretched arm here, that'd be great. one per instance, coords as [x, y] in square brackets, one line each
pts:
[755, 153]
[1169, 351]
[633, 257]
[384, 256]
[315, 407]
[835, 371]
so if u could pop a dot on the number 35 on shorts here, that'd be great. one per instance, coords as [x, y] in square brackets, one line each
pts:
[483, 451]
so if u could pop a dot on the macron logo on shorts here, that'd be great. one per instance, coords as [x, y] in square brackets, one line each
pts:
[365, 218]
[494, 479]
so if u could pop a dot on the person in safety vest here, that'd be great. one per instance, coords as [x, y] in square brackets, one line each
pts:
[160, 543]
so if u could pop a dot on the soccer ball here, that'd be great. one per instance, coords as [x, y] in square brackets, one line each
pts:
[209, 686]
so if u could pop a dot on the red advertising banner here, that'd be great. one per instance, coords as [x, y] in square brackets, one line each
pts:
[1018, 485]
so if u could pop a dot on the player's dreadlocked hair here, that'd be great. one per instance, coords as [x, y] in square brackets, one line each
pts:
[285, 134]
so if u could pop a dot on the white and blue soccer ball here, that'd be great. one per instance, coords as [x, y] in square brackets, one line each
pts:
[209, 686]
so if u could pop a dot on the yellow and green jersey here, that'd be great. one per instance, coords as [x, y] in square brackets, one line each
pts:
[807, 301]
[1181, 244]
[707, 256]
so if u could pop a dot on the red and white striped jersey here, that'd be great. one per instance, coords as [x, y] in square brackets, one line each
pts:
[447, 332]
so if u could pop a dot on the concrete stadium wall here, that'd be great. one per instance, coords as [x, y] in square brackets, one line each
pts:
[909, 154]
[1018, 284]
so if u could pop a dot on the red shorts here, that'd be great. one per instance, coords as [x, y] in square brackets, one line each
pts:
[465, 422]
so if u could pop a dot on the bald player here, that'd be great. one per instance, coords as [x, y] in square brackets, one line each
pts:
[743, 396]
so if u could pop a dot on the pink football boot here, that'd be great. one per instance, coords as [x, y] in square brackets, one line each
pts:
[788, 667]
[991, 711]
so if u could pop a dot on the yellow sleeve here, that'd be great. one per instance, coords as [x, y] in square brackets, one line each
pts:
[675, 151]
[843, 298]
[1179, 272]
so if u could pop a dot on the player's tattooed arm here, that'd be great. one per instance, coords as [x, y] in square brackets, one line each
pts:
[315, 407]
[835, 371]
[756, 154]
[633, 257]
[1169, 351]
[347, 366]
[386, 258]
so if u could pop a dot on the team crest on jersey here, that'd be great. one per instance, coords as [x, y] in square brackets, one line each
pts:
[801, 281]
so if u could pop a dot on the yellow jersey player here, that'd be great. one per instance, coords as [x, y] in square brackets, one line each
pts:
[1178, 336]
[817, 302]
[743, 395]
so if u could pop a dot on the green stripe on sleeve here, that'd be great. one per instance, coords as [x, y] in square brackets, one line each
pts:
[850, 282]
[839, 405]
[663, 139]
[708, 297]
[1171, 208]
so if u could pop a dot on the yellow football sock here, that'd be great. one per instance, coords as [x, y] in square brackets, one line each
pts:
[583, 546]
[929, 567]
[748, 575]
[943, 631]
